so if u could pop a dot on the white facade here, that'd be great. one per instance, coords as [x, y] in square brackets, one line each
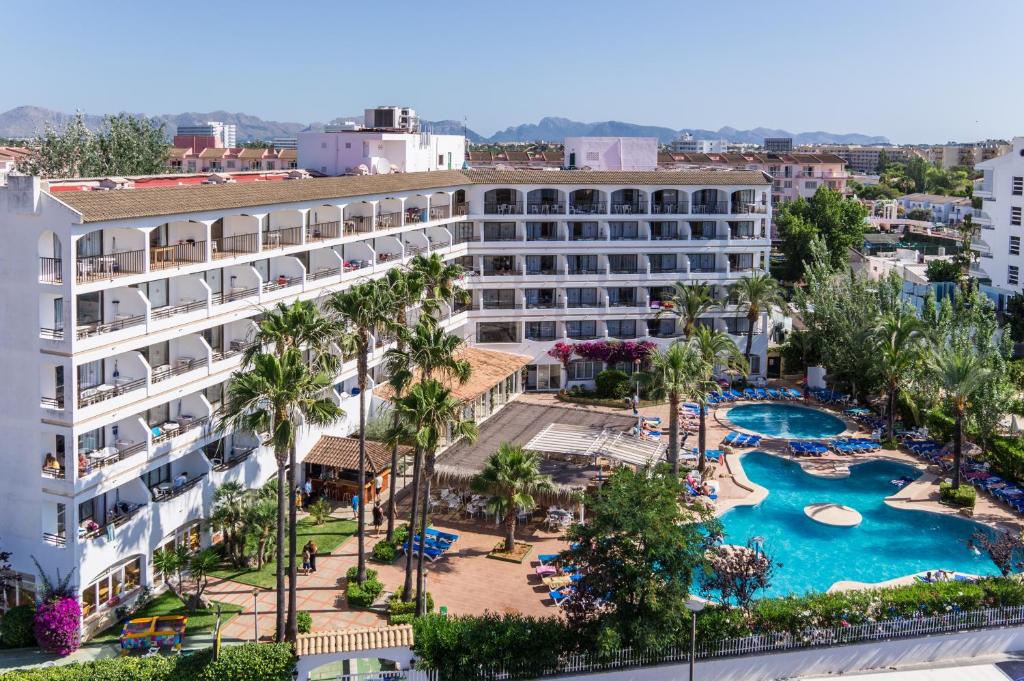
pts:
[1001, 189]
[120, 334]
[225, 133]
[371, 152]
[689, 145]
[611, 153]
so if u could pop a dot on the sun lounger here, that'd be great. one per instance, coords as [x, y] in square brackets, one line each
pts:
[429, 552]
[794, 394]
[546, 570]
[559, 596]
[546, 558]
[735, 394]
[761, 393]
[443, 536]
[773, 393]
[749, 393]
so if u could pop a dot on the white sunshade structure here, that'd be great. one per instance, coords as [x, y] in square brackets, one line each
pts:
[587, 441]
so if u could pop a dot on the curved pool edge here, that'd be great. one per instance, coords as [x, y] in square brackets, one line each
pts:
[720, 414]
[854, 585]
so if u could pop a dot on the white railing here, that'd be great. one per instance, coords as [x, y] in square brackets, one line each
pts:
[812, 637]
[409, 675]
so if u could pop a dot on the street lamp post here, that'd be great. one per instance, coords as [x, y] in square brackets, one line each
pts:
[255, 616]
[694, 606]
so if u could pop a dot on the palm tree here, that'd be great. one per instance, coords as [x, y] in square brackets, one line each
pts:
[364, 311]
[715, 348]
[272, 399]
[898, 341]
[229, 508]
[432, 350]
[439, 280]
[755, 293]
[302, 326]
[259, 523]
[960, 374]
[673, 374]
[511, 476]
[688, 303]
[435, 414]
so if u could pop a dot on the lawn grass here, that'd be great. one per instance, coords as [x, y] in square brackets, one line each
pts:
[328, 537]
[168, 604]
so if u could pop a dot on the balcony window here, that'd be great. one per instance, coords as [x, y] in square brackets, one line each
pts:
[90, 308]
[541, 264]
[582, 330]
[158, 476]
[664, 231]
[742, 230]
[703, 230]
[702, 262]
[622, 297]
[741, 261]
[543, 376]
[539, 297]
[663, 262]
[215, 394]
[581, 297]
[540, 331]
[91, 441]
[499, 231]
[622, 263]
[497, 332]
[498, 299]
[108, 590]
[661, 328]
[737, 326]
[621, 328]
[583, 231]
[499, 265]
[462, 232]
[541, 231]
[90, 374]
[155, 291]
[619, 231]
[582, 264]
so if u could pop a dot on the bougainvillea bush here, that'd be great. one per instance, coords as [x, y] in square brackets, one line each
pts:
[56, 626]
[614, 352]
[562, 352]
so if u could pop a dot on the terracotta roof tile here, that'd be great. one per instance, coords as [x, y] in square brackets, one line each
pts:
[354, 640]
[343, 452]
[489, 368]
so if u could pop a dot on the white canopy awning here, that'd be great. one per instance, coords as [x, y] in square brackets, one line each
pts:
[563, 438]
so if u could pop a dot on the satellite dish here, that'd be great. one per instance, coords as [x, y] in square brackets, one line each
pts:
[361, 169]
[382, 166]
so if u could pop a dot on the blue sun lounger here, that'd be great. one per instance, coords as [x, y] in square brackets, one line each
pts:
[429, 552]
[749, 393]
[558, 597]
[774, 394]
[794, 394]
[446, 537]
[547, 558]
[711, 454]
[736, 394]
[761, 393]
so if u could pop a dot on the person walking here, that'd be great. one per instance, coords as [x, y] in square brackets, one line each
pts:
[307, 490]
[313, 550]
[306, 563]
[378, 518]
[298, 497]
[355, 506]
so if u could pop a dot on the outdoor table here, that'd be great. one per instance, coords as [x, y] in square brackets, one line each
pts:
[162, 254]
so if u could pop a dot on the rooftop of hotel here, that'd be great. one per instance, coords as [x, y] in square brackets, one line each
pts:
[98, 206]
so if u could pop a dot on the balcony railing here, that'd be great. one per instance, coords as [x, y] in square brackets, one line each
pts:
[51, 334]
[319, 231]
[101, 393]
[587, 270]
[184, 426]
[629, 236]
[237, 293]
[541, 336]
[715, 208]
[670, 270]
[440, 212]
[496, 208]
[545, 208]
[705, 236]
[58, 540]
[100, 267]
[236, 347]
[585, 236]
[745, 207]
[183, 367]
[50, 270]
[544, 271]
[498, 305]
[543, 236]
[237, 456]
[280, 283]
[122, 516]
[167, 491]
[541, 304]
[389, 220]
[324, 272]
[229, 246]
[359, 224]
[583, 303]
[501, 236]
[286, 236]
[181, 308]
[671, 208]
[110, 455]
[55, 402]
[125, 322]
[53, 473]
[461, 209]
[176, 255]
[622, 303]
[510, 272]
[588, 208]
[624, 269]
[629, 207]
[668, 236]
[588, 335]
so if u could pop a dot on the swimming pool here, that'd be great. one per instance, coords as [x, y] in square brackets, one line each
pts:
[785, 421]
[888, 543]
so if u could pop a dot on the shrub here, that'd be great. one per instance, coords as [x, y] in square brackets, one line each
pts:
[964, 497]
[304, 621]
[612, 383]
[16, 627]
[319, 511]
[362, 595]
[247, 662]
[384, 551]
[403, 613]
[401, 534]
[56, 626]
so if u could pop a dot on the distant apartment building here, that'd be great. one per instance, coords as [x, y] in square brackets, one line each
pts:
[949, 210]
[865, 159]
[285, 143]
[515, 158]
[998, 244]
[211, 134]
[967, 155]
[378, 152]
[778, 145]
[221, 160]
[688, 144]
[9, 157]
[611, 153]
[392, 118]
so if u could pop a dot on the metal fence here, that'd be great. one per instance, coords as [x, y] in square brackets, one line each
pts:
[812, 637]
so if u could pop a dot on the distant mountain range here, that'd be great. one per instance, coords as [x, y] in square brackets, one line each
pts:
[28, 121]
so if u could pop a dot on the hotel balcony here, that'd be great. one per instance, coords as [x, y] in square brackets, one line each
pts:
[323, 231]
[545, 208]
[588, 208]
[503, 208]
[281, 237]
[629, 208]
[982, 219]
[51, 270]
[235, 245]
[229, 452]
[712, 208]
[670, 208]
[181, 254]
[108, 266]
[112, 510]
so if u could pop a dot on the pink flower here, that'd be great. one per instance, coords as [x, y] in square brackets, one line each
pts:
[56, 626]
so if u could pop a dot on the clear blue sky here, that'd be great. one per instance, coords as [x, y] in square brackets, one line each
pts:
[913, 70]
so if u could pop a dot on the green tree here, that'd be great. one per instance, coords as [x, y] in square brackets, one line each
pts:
[435, 415]
[675, 373]
[756, 293]
[715, 348]
[874, 192]
[916, 170]
[365, 313]
[797, 236]
[230, 501]
[272, 399]
[943, 270]
[688, 303]
[899, 344]
[125, 145]
[837, 220]
[922, 214]
[260, 523]
[636, 561]
[961, 376]
[511, 477]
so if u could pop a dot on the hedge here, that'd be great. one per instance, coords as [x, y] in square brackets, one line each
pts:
[246, 662]
[612, 383]
[963, 497]
[16, 627]
[362, 595]
[304, 621]
[384, 551]
[403, 613]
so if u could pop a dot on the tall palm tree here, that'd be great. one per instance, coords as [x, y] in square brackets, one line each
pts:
[432, 350]
[406, 287]
[756, 293]
[439, 280]
[960, 375]
[230, 501]
[898, 342]
[688, 302]
[302, 326]
[272, 399]
[511, 477]
[673, 374]
[365, 311]
[434, 414]
[715, 348]
[260, 521]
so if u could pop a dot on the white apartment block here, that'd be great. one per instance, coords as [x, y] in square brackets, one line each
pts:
[998, 244]
[127, 310]
[689, 144]
[378, 152]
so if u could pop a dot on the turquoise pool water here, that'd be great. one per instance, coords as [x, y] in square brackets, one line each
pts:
[888, 543]
[785, 420]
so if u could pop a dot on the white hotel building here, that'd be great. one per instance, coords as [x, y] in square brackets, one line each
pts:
[1001, 220]
[125, 312]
